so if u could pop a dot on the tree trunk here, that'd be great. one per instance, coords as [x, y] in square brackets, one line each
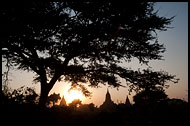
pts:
[45, 89]
[44, 94]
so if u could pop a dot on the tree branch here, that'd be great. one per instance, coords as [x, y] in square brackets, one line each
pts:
[6, 74]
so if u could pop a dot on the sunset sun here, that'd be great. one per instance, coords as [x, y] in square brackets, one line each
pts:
[73, 94]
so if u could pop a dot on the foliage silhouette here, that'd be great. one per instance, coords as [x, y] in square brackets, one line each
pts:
[150, 97]
[151, 90]
[87, 108]
[75, 103]
[91, 107]
[53, 98]
[81, 41]
[170, 111]
[22, 95]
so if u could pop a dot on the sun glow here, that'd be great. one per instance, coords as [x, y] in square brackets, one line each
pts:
[73, 94]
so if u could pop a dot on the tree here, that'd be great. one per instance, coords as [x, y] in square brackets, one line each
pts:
[81, 42]
[20, 96]
[150, 98]
[75, 103]
[53, 98]
[91, 107]
[151, 87]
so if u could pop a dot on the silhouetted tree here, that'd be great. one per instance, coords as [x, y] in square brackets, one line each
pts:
[150, 98]
[150, 87]
[75, 103]
[91, 107]
[20, 96]
[81, 41]
[53, 98]
[31, 96]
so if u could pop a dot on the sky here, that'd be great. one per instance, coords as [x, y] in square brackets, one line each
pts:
[175, 61]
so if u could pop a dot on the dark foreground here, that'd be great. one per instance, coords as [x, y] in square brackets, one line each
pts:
[26, 114]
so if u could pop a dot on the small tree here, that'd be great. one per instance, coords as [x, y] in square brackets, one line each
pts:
[53, 98]
[20, 96]
[31, 96]
[91, 107]
[150, 87]
[150, 98]
[75, 103]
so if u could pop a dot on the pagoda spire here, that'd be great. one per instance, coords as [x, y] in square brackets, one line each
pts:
[108, 104]
[127, 102]
[108, 97]
[63, 102]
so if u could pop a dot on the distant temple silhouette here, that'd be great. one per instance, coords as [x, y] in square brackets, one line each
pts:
[127, 102]
[63, 102]
[109, 105]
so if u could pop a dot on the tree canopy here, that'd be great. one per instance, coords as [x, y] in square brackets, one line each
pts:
[83, 42]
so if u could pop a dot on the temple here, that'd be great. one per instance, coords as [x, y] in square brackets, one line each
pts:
[109, 106]
[63, 102]
[127, 102]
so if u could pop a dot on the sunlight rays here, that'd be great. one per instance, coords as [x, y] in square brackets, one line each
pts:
[72, 94]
